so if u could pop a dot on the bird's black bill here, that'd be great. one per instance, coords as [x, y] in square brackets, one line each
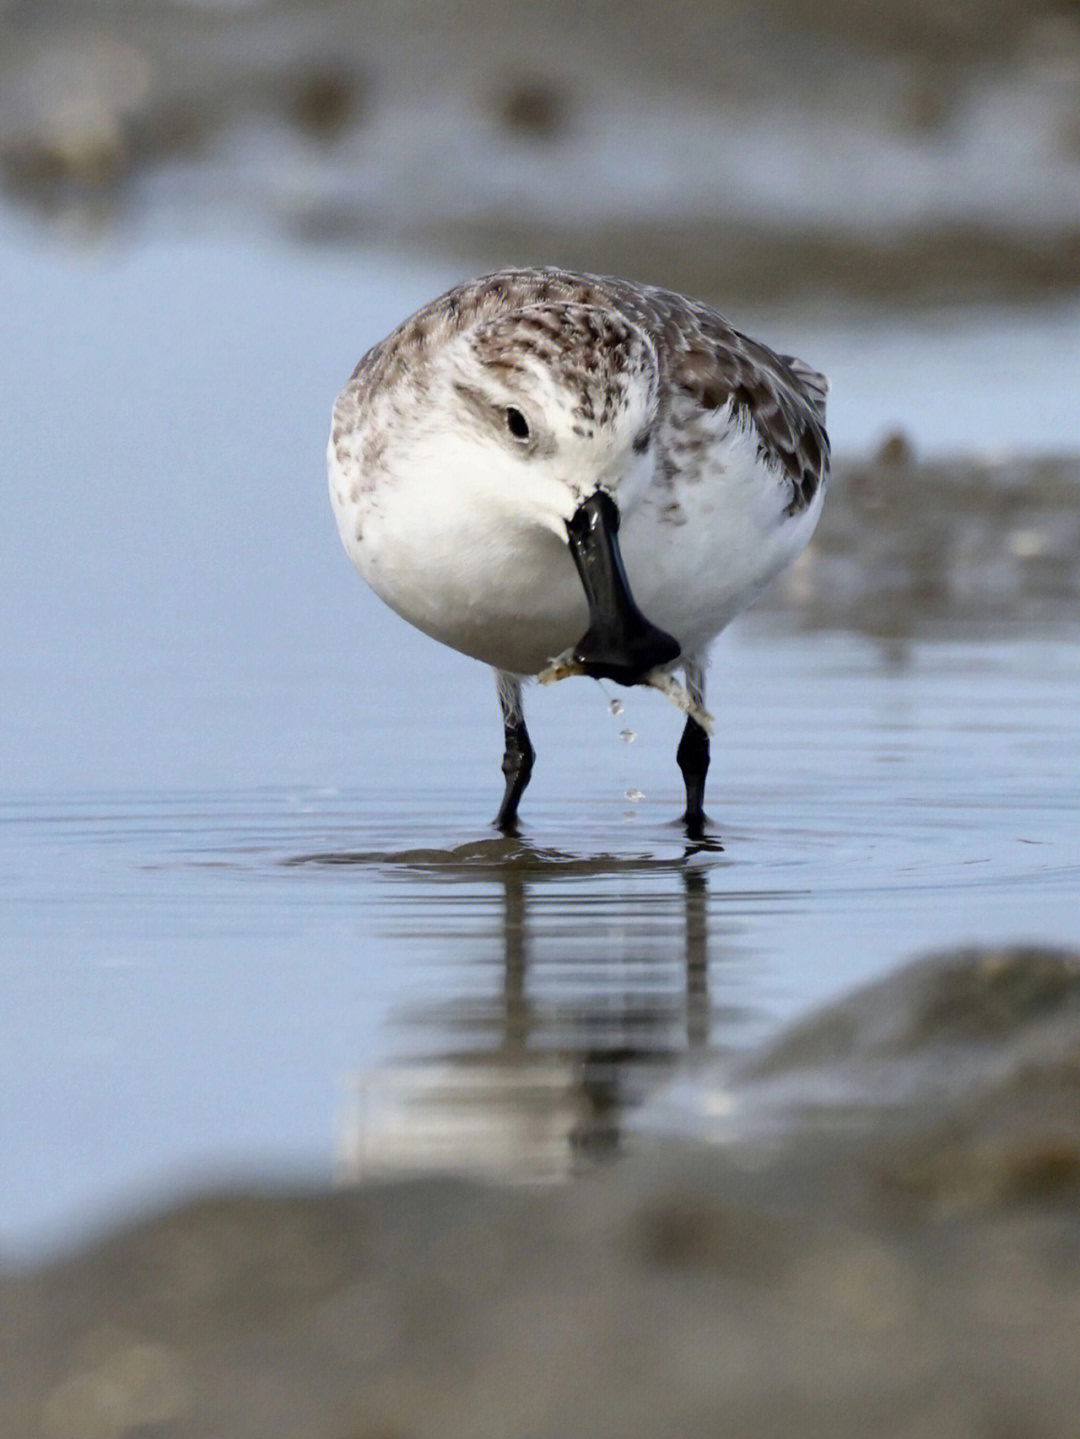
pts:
[620, 643]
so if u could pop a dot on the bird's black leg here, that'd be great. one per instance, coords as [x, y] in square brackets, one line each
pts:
[693, 756]
[518, 753]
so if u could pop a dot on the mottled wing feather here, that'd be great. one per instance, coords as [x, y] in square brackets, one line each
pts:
[814, 383]
[782, 398]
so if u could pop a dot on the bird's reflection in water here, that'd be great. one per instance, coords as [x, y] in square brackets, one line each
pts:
[603, 993]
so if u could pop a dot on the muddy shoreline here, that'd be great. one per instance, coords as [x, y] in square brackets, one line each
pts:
[910, 547]
[882, 1239]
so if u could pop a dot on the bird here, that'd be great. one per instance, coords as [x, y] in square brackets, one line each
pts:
[541, 463]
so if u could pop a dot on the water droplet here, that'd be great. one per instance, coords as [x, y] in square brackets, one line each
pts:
[627, 736]
[616, 707]
[634, 795]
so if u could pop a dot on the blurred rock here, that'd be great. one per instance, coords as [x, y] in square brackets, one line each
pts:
[324, 98]
[895, 449]
[967, 1069]
[533, 106]
[77, 101]
[887, 1245]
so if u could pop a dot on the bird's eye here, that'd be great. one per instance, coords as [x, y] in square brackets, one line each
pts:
[517, 424]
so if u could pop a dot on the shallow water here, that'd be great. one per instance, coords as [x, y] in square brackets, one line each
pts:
[219, 979]
[254, 916]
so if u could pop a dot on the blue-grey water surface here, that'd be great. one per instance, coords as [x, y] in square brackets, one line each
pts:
[246, 868]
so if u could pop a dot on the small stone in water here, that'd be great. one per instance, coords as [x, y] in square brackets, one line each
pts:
[633, 795]
[615, 707]
[627, 736]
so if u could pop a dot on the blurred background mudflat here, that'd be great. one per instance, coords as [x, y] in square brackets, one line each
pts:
[779, 150]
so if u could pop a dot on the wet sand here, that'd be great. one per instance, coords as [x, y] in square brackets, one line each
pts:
[881, 1239]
